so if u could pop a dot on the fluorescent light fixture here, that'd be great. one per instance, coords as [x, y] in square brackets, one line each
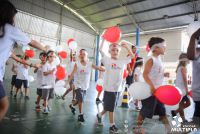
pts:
[156, 30]
[78, 15]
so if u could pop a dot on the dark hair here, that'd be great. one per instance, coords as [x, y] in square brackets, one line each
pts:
[133, 46]
[42, 54]
[49, 52]
[181, 63]
[7, 13]
[155, 40]
[83, 50]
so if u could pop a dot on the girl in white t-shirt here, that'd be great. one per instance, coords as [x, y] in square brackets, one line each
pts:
[181, 83]
[71, 67]
[82, 70]
[9, 34]
[49, 78]
[138, 76]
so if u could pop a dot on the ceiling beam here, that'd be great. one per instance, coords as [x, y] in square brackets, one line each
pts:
[91, 4]
[156, 19]
[115, 7]
[148, 10]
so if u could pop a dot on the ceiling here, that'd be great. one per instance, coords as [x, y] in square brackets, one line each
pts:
[129, 14]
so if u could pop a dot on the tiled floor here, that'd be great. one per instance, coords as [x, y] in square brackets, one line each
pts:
[22, 118]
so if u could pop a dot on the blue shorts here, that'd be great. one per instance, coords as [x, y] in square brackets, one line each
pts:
[2, 90]
[80, 95]
[19, 83]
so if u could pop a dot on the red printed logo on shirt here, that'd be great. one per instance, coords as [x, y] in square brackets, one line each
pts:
[114, 66]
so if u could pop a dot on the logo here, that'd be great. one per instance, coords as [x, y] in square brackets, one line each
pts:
[114, 66]
[178, 126]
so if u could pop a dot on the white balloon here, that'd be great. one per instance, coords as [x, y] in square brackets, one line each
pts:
[30, 78]
[73, 45]
[139, 90]
[60, 83]
[100, 82]
[59, 48]
[193, 27]
[63, 65]
[59, 91]
[24, 48]
[56, 61]
[170, 108]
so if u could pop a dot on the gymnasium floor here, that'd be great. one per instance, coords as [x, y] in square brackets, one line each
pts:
[22, 118]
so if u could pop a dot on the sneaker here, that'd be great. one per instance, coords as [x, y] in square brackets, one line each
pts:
[45, 111]
[173, 113]
[99, 119]
[63, 97]
[15, 96]
[114, 129]
[38, 107]
[81, 118]
[26, 97]
[49, 108]
[73, 110]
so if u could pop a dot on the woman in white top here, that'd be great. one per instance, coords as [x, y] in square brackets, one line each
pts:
[181, 83]
[9, 34]
[138, 77]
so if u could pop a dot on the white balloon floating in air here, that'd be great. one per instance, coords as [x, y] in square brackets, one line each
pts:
[73, 45]
[30, 78]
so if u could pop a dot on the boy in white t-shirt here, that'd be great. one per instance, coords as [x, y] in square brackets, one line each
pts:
[49, 78]
[22, 78]
[39, 72]
[82, 70]
[113, 80]
[153, 75]
[14, 76]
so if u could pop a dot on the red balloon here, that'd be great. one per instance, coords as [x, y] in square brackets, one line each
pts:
[60, 73]
[112, 34]
[30, 53]
[168, 95]
[70, 40]
[190, 93]
[147, 48]
[63, 54]
[99, 88]
[125, 74]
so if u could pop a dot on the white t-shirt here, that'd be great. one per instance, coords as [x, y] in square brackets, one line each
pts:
[179, 81]
[49, 80]
[114, 70]
[22, 72]
[12, 35]
[15, 68]
[83, 73]
[40, 77]
[156, 75]
[138, 72]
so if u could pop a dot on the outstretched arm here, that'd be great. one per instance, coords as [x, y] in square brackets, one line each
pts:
[72, 74]
[101, 48]
[123, 44]
[100, 68]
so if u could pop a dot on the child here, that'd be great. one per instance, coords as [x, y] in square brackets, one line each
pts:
[39, 72]
[72, 87]
[83, 72]
[49, 70]
[138, 76]
[14, 76]
[181, 83]
[114, 69]
[193, 53]
[9, 34]
[101, 75]
[153, 75]
[22, 78]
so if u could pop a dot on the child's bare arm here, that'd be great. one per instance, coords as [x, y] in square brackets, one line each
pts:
[101, 48]
[72, 74]
[100, 68]
[147, 69]
[184, 74]
[128, 49]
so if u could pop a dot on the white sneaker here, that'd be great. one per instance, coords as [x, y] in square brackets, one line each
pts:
[45, 111]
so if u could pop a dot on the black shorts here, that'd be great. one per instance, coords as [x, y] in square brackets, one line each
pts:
[2, 90]
[151, 106]
[80, 95]
[48, 93]
[39, 92]
[19, 83]
[13, 81]
[110, 100]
